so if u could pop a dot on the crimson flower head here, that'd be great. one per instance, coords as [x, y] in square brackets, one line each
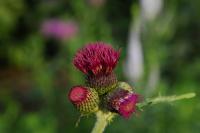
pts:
[96, 59]
[123, 102]
[127, 105]
[78, 94]
[86, 100]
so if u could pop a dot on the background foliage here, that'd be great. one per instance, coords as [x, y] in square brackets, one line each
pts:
[36, 71]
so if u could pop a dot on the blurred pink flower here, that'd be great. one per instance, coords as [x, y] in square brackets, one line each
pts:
[59, 29]
[96, 3]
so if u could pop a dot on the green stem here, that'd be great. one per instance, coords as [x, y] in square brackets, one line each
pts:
[103, 118]
[102, 121]
[162, 99]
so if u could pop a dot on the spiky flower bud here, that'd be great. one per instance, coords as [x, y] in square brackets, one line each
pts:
[97, 60]
[125, 86]
[121, 101]
[86, 100]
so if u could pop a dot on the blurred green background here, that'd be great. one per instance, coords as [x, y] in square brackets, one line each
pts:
[36, 70]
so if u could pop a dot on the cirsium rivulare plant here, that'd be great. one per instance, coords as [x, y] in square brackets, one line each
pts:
[103, 94]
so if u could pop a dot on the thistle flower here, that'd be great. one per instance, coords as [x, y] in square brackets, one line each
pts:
[122, 102]
[85, 99]
[97, 60]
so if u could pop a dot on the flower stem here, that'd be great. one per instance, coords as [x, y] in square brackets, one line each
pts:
[102, 121]
[103, 118]
[162, 99]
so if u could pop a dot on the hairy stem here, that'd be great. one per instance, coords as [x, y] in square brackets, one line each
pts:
[162, 99]
[102, 121]
[103, 118]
